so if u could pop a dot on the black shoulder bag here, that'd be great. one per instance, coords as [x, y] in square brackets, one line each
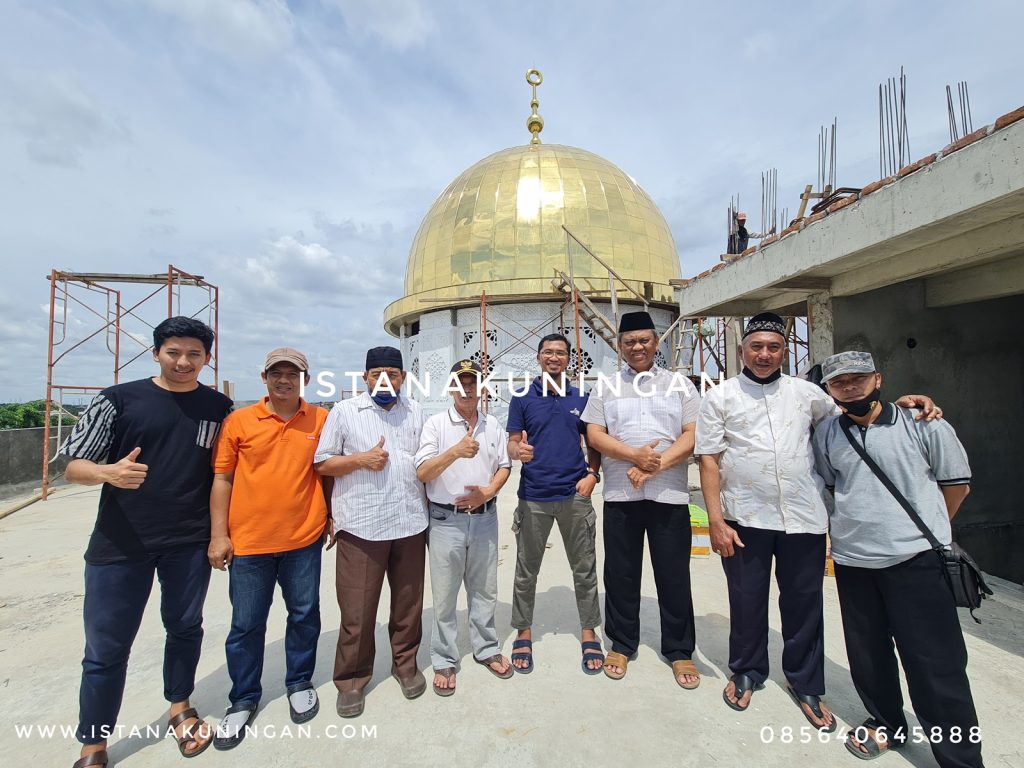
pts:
[962, 573]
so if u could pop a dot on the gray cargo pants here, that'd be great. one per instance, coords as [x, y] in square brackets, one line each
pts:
[532, 525]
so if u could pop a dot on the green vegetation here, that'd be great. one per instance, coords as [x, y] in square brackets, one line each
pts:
[26, 415]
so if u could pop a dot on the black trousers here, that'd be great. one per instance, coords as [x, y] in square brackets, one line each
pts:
[667, 527]
[800, 572]
[115, 601]
[911, 604]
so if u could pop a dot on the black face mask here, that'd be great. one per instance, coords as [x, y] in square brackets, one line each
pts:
[774, 376]
[861, 407]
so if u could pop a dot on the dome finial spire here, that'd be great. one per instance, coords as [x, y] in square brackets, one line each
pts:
[534, 123]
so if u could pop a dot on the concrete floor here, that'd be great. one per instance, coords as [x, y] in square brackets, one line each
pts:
[555, 715]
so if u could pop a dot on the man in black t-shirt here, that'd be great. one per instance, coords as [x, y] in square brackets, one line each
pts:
[149, 443]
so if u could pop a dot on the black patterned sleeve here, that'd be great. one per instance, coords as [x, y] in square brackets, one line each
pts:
[93, 435]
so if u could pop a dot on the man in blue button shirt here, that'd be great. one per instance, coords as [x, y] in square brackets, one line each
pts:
[545, 434]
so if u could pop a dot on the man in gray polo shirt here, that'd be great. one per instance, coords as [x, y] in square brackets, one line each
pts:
[891, 583]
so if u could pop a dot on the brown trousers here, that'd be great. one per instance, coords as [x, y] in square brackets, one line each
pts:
[360, 571]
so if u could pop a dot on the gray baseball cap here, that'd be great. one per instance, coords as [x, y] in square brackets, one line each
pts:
[846, 362]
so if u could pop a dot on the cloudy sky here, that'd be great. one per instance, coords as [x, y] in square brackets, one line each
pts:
[287, 151]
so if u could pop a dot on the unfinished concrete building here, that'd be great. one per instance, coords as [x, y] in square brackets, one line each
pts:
[925, 270]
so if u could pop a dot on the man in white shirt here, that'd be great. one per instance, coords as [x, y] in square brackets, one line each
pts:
[645, 434]
[380, 517]
[463, 460]
[764, 500]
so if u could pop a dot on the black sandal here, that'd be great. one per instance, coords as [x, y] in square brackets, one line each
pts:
[303, 717]
[742, 684]
[814, 702]
[232, 740]
[871, 744]
[524, 655]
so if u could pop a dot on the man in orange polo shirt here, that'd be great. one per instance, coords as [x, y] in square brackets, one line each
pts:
[269, 517]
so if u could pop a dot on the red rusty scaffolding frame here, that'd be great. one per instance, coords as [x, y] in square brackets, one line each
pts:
[63, 289]
[712, 348]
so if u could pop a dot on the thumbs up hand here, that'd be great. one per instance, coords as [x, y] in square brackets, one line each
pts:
[646, 459]
[127, 473]
[525, 449]
[466, 448]
[376, 457]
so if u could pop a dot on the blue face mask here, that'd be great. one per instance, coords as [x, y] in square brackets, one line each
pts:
[384, 398]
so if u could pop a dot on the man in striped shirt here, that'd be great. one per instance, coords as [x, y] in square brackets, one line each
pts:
[379, 509]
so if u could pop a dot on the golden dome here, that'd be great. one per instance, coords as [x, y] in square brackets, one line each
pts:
[498, 228]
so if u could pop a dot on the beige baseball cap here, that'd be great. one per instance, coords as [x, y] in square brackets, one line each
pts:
[286, 355]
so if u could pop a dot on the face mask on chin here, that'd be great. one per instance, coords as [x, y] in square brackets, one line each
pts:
[861, 407]
[773, 376]
[384, 398]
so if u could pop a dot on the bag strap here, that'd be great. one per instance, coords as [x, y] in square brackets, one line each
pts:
[845, 422]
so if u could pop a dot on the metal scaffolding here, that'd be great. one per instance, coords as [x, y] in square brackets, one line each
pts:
[584, 313]
[93, 292]
[709, 354]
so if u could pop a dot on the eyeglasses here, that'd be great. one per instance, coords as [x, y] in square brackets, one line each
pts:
[554, 353]
[278, 375]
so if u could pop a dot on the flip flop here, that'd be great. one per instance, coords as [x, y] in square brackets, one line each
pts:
[527, 657]
[814, 702]
[447, 673]
[591, 650]
[742, 683]
[495, 659]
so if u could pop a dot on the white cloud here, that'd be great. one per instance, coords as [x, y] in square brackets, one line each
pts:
[58, 117]
[300, 274]
[399, 24]
[242, 29]
[288, 151]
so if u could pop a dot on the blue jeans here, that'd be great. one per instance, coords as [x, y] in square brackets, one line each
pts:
[252, 580]
[115, 599]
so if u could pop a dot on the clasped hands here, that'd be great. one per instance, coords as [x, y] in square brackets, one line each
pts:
[646, 463]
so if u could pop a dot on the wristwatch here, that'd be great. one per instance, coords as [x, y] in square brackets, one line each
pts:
[595, 473]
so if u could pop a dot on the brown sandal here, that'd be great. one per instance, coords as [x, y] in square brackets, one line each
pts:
[613, 659]
[685, 667]
[99, 757]
[447, 673]
[190, 734]
[495, 659]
